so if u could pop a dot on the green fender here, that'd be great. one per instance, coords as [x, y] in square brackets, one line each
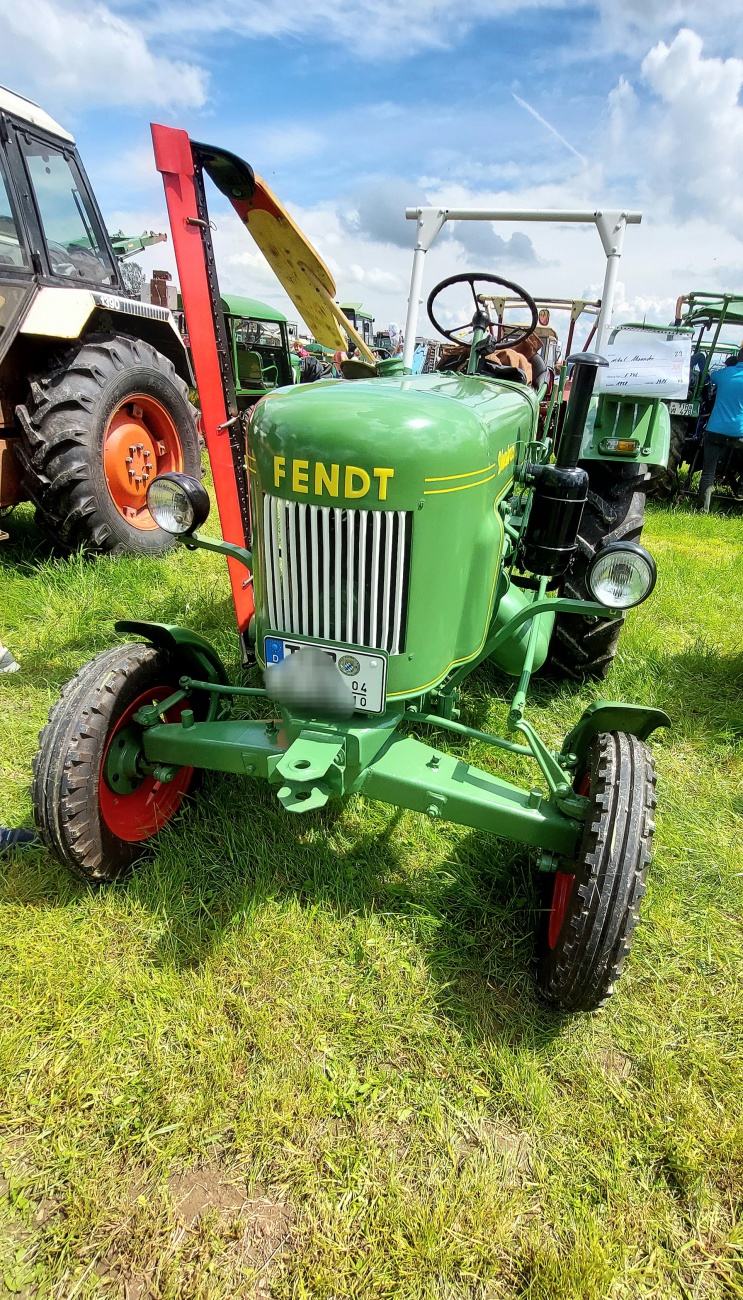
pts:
[645, 419]
[199, 658]
[608, 715]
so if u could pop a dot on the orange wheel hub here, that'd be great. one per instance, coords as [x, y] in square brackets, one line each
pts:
[141, 441]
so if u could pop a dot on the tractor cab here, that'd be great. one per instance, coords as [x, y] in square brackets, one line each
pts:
[259, 346]
[93, 384]
[362, 321]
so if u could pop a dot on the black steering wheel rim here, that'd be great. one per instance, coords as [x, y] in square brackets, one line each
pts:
[510, 336]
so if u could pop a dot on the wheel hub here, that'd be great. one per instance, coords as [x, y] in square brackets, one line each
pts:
[141, 441]
[130, 458]
[121, 770]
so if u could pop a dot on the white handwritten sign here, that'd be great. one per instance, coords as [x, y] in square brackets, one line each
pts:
[647, 363]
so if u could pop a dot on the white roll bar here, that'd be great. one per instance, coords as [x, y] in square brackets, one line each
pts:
[611, 226]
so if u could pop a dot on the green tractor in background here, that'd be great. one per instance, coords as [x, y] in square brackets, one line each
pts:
[259, 342]
[717, 322]
[363, 321]
[400, 531]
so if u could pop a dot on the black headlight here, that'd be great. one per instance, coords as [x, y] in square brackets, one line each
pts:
[178, 503]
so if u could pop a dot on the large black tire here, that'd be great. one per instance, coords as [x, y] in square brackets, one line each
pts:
[587, 926]
[64, 423]
[68, 785]
[664, 482]
[615, 511]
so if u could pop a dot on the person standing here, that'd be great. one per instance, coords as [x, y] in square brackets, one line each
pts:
[724, 432]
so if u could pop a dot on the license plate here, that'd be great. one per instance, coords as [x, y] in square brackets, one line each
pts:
[682, 408]
[364, 673]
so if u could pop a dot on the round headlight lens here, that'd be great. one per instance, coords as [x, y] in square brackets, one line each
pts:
[177, 502]
[621, 575]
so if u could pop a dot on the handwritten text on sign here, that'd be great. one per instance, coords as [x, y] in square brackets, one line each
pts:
[647, 363]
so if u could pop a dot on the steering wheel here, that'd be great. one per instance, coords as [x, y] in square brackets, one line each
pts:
[509, 335]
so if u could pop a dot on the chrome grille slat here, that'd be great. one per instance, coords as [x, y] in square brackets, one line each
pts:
[315, 572]
[361, 576]
[269, 521]
[282, 569]
[293, 574]
[376, 524]
[325, 510]
[336, 574]
[402, 556]
[304, 588]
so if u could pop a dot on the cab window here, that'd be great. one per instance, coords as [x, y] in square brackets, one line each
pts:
[12, 252]
[70, 227]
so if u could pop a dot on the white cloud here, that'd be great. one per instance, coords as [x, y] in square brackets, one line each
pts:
[374, 278]
[630, 25]
[671, 143]
[686, 147]
[86, 54]
[369, 29]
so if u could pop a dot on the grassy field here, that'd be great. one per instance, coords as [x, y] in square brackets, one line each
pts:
[305, 1058]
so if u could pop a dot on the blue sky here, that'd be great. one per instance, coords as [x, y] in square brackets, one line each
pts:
[351, 113]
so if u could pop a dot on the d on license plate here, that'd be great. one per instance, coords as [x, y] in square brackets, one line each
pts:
[681, 408]
[364, 673]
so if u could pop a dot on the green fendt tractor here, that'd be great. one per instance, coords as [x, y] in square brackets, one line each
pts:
[405, 529]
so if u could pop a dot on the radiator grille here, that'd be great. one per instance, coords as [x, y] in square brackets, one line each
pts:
[335, 574]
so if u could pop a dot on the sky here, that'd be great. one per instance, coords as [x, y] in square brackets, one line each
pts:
[354, 112]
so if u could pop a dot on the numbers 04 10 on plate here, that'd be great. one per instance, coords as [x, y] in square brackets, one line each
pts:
[365, 674]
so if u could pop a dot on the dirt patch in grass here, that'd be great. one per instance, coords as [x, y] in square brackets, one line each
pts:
[615, 1064]
[197, 1191]
[210, 1229]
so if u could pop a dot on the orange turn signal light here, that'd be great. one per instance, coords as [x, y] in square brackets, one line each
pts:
[619, 446]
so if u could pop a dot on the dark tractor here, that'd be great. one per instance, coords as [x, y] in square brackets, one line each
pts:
[93, 383]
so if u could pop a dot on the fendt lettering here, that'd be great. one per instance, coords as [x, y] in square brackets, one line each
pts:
[506, 457]
[325, 480]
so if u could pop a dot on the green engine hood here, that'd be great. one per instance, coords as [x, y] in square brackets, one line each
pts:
[431, 456]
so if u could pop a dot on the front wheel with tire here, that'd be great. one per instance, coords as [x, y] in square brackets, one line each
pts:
[594, 903]
[106, 418]
[95, 805]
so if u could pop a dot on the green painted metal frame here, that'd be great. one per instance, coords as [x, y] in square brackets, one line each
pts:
[311, 760]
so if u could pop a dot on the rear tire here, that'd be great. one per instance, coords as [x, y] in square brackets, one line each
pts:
[585, 646]
[664, 484]
[91, 829]
[76, 421]
[594, 907]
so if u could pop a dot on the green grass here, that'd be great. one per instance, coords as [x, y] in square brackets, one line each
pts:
[337, 1015]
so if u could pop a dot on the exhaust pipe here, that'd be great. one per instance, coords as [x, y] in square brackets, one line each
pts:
[585, 371]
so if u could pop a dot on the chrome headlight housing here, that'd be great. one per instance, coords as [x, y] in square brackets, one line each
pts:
[621, 575]
[178, 503]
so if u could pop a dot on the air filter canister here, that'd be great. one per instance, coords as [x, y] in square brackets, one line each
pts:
[550, 538]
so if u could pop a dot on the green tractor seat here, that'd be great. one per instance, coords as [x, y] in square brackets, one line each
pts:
[252, 370]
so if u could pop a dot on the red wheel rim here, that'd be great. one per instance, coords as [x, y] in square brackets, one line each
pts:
[141, 440]
[140, 815]
[562, 888]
